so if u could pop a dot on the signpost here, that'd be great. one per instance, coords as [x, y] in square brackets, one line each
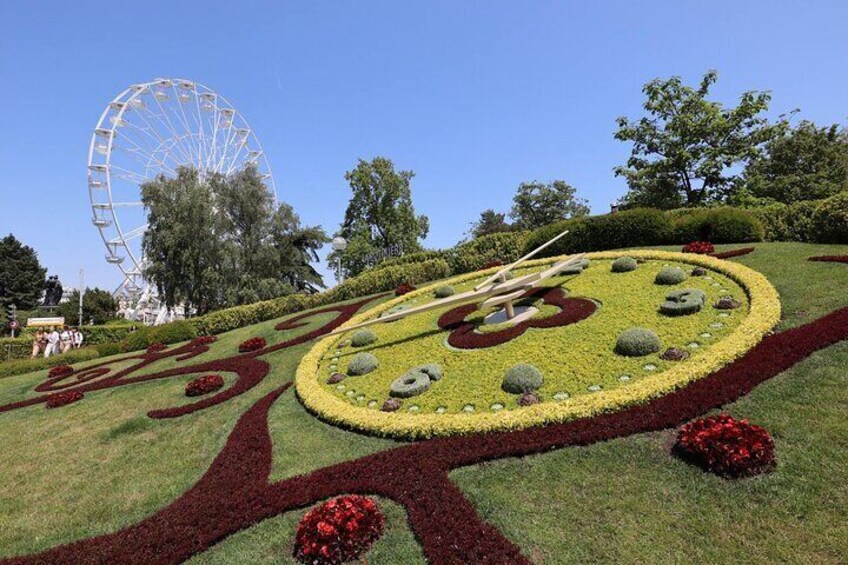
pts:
[13, 325]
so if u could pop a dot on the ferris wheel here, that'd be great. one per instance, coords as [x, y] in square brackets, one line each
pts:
[153, 129]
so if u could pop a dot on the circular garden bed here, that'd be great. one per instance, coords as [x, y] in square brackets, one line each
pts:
[572, 339]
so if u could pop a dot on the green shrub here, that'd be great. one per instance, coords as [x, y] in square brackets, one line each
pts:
[716, 225]
[505, 247]
[522, 378]
[443, 291]
[433, 370]
[107, 349]
[830, 219]
[363, 337]
[411, 383]
[21, 366]
[670, 275]
[683, 302]
[624, 265]
[637, 342]
[362, 363]
[416, 257]
[172, 332]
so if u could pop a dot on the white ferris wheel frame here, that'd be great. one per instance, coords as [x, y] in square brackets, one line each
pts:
[186, 146]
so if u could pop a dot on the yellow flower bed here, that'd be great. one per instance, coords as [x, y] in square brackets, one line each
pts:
[575, 359]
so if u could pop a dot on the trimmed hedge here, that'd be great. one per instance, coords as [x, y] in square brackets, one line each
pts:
[21, 366]
[505, 247]
[813, 221]
[716, 225]
[146, 336]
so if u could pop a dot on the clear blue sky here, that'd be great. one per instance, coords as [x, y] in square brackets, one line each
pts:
[475, 97]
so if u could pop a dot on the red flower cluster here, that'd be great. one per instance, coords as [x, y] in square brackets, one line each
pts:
[252, 344]
[204, 385]
[700, 247]
[60, 371]
[155, 347]
[338, 531]
[733, 253]
[725, 446]
[204, 340]
[403, 289]
[63, 398]
[490, 264]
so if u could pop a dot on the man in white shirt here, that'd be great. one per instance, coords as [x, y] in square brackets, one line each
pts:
[52, 343]
[78, 338]
[66, 340]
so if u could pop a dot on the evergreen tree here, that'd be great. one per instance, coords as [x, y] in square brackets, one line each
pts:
[21, 275]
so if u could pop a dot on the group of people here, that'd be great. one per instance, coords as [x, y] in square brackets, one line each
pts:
[54, 342]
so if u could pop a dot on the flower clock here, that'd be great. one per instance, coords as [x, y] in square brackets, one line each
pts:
[338, 531]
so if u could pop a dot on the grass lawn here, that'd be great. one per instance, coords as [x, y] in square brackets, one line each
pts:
[101, 464]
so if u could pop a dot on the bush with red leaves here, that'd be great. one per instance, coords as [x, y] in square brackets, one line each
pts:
[403, 289]
[252, 344]
[338, 531]
[490, 264]
[699, 247]
[725, 446]
[60, 371]
[155, 347]
[63, 398]
[204, 385]
[204, 340]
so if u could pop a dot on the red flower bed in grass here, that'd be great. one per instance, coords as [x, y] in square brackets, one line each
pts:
[156, 347]
[204, 385]
[725, 446]
[463, 336]
[830, 258]
[732, 253]
[700, 247]
[63, 398]
[404, 289]
[338, 531]
[60, 371]
[252, 344]
[204, 340]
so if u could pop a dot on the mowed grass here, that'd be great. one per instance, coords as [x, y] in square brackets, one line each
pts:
[101, 464]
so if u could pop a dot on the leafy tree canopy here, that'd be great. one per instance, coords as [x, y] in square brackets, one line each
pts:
[490, 222]
[97, 304]
[536, 204]
[219, 241]
[686, 147]
[21, 275]
[805, 163]
[380, 214]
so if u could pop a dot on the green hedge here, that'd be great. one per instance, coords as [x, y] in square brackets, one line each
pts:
[717, 225]
[813, 221]
[472, 255]
[416, 257]
[173, 332]
[15, 348]
[21, 366]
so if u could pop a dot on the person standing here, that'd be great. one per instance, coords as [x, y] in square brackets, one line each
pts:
[66, 340]
[39, 342]
[52, 343]
[78, 338]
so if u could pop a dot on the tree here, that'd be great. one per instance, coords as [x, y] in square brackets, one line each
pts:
[218, 241]
[490, 222]
[537, 204]
[21, 275]
[380, 214]
[97, 304]
[684, 152]
[805, 163]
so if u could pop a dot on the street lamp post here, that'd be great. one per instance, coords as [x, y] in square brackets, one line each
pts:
[339, 244]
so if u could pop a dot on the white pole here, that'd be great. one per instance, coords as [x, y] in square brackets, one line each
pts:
[81, 293]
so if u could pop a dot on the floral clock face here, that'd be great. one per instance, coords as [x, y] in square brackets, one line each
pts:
[570, 336]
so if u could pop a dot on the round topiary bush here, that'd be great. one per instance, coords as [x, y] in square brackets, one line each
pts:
[522, 378]
[433, 370]
[391, 405]
[727, 303]
[637, 342]
[624, 265]
[443, 291]
[670, 275]
[338, 531]
[725, 446]
[411, 383]
[363, 337]
[362, 363]
[575, 269]
[683, 302]
[674, 354]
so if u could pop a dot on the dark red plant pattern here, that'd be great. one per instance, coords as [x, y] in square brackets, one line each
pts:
[59, 371]
[63, 398]
[156, 347]
[204, 385]
[404, 289]
[830, 258]
[733, 253]
[235, 493]
[252, 344]
[726, 446]
[463, 336]
[700, 247]
[338, 531]
[490, 264]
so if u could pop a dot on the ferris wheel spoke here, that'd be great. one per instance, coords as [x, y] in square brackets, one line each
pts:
[156, 136]
[171, 139]
[180, 103]
[146, 159]
[185, 155]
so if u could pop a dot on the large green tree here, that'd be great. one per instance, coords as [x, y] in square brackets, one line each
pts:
[687, 149]
[380, 214]
[219, 241]
[489, 222]
[807, 162]
[536, 204]
[21, 275]
[97, 304]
